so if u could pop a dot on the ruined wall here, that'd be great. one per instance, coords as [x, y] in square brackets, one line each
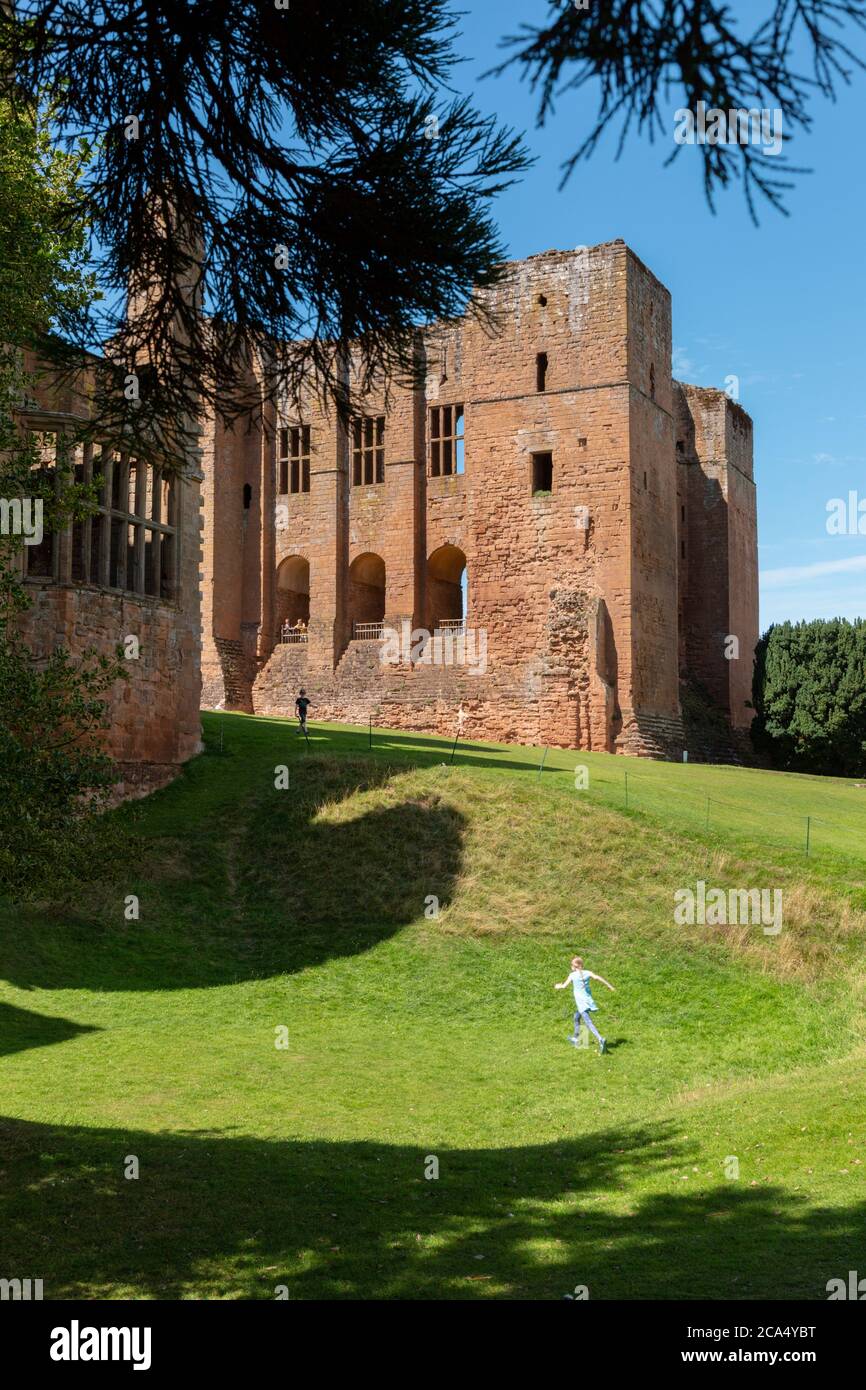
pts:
[236, 529]
[653, 718]
[578, 589]
[718, 588]
[154, 723]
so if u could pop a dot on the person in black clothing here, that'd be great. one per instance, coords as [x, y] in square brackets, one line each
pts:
[302, 704]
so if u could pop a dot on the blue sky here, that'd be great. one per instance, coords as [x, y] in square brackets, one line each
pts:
[781, 306]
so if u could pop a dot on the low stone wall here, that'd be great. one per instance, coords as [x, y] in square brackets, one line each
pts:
[153, 713]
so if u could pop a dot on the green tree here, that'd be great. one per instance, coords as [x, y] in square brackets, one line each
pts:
[810, 696]
[306, 165]
[53, 777]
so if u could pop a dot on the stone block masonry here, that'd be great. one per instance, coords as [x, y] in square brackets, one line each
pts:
[545, 483]
[132, 571]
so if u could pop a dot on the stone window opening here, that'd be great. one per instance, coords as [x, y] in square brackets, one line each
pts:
[541, 372]
[248, 496]
[366, 597]
[129, 541]
[542, 474]
[447, 440]
[293, 599]
[294, 459]
[652, 381]
[542, 299]
[644, 481]
[681, 448]
[368, 450]
[447, 590]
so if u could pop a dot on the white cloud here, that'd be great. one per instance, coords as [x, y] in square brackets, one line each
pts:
[794, 574]
[682, 365]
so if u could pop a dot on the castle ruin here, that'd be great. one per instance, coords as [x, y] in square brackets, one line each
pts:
[549, 533]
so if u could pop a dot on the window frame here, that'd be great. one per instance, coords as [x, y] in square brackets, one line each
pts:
[367, 449]
[294, 451]
[440, 416]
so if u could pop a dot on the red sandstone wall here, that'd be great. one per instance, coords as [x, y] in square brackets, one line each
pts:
[653, 487]
[742, 561]
[584, 625]
[154, 720]
[719, 588]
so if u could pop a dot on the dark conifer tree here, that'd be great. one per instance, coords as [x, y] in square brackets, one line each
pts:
[646, 58]
[302, 163]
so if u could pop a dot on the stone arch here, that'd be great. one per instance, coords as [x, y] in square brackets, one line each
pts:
[366, 590]
[446, 585]
[293, 591]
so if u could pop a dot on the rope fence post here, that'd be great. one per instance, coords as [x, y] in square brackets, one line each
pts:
[541, 765]
[626, 788]
[808, 834]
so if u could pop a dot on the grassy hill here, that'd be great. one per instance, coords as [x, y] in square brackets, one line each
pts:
[412, 1037]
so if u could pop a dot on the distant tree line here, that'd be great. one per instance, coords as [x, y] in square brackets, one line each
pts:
[809, 694]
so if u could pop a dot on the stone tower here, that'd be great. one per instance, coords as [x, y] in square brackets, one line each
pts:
[546, 492]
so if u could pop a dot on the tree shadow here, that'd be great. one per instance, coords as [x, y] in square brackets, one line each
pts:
[271, 883]
[20, 1029]
[417, 750]
[216, 1216]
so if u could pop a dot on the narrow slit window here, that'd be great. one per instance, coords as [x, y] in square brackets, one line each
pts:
[541, 372]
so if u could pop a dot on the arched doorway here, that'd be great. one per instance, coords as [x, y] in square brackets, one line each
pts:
[366, 595]
[446, 588]
[293, 594]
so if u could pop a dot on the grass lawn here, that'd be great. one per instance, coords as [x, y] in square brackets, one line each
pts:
[717, 1151]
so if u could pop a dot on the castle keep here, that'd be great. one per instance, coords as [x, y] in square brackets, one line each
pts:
[574, 530]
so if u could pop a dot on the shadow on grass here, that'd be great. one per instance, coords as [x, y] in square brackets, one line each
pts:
[20, 1029]
[268, 882]
[421, 750]
[221, 1217]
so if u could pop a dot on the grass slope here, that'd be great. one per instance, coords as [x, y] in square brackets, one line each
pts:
[411, 1038]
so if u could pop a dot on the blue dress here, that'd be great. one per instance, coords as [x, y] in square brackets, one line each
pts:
[583, 1000]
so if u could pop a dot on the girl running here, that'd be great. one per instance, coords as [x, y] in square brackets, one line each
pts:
[579, 980]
